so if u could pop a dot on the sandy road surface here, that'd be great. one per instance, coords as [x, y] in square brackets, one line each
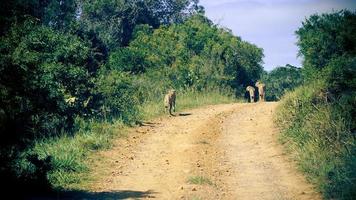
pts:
[233, 146]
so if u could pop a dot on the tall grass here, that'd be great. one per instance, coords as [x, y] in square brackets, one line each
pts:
[69, 154]
[200, 180]
[317, 132]
[186, 100]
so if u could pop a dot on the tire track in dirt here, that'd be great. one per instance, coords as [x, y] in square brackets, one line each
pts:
[233, 145]
[260, 168]
[157, 160]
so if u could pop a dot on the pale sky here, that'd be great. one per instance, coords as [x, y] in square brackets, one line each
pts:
[270, 24]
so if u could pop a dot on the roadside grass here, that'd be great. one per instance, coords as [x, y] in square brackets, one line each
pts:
[69, 154]
[72, 156]
[186, 100]
[317, 133]
[199, 180]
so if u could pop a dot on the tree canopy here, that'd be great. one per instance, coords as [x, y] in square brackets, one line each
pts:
[318, 118]
[67, 61]
[325, 37]
[280, 80]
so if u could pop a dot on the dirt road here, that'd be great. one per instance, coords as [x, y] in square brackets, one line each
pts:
[216, 152]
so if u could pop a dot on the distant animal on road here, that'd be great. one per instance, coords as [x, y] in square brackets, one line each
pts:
[251, 91]
[261, 91]
[170, 101]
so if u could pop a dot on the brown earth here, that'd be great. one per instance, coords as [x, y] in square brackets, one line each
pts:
[233, 147]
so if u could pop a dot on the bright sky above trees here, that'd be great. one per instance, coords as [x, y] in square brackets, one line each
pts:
[270, 24]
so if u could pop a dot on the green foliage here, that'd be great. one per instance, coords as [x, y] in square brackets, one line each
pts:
[44, 82]
[320, 136]
[50, 69]
[69, 70]
[52, 13]
[325, 37]
[280, 80]
[115, 20]
[69, 154]
[340, 75]
[318, 119]
[194, 54]
[48, 78]
[200, 180]
[127, 60]
[186, 100]
[118, 95]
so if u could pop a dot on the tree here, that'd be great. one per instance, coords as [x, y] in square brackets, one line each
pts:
[115, 20]
[280, 80]
[194, 53]
[328, 45]
[319, 117]
[325, 37]
[49, 68]
[53, 13]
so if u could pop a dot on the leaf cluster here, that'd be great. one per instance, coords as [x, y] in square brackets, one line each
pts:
[280, 80]
[318, 119]
[65, 62]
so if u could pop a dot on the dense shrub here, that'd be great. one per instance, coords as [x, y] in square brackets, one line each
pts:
[118, 95]
[280, 80]
[325, 37]
[195, 54]
[51, 82]
[319, 134]
[64, 63]
[318, 119]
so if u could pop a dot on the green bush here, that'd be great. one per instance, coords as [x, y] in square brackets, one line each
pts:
[69, 154]
[187, 99]
[318, 119]
[67, 77]
[280, 80]
[49, 70]
[325, 37]
[194, 54]
[320, 136]
[118, 95]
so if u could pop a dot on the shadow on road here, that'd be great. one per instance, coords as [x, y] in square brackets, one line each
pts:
[84, 195]
[184, 114]
[150, 124]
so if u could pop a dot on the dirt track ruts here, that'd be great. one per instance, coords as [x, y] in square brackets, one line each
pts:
[234, 146]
